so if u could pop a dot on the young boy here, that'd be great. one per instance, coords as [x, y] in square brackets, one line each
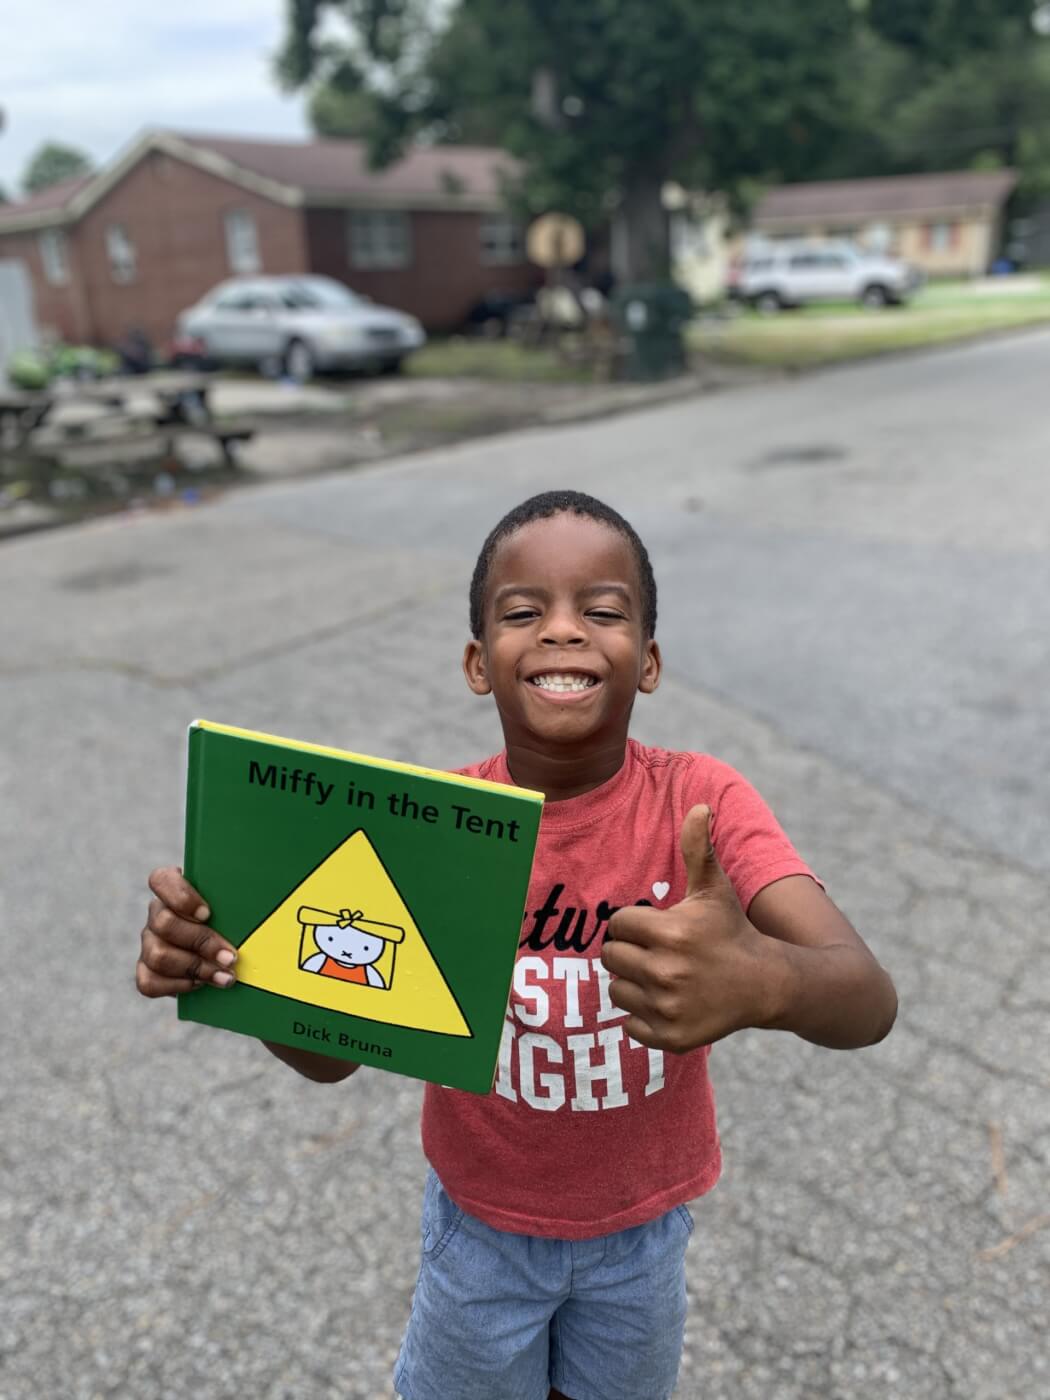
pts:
[666, 910]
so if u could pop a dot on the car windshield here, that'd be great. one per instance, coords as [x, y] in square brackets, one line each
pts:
[322, 291]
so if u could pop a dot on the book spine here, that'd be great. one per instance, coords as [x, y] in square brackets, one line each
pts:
[191, 855]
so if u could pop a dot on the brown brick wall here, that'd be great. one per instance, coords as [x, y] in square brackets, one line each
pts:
[446, 276]
[60, 311]
[173, 213]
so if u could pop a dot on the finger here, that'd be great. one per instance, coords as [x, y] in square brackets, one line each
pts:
[151, 984]
[638, 1028]
[169, 960]
[627, 959]
[635, 924]
[629, 996]
[702, 869]
[186, 933]
[173, 889]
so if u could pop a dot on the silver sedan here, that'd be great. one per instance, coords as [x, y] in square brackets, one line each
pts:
[295, 325]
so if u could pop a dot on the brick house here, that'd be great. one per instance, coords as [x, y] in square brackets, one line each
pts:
[948, 224]
[139, 241]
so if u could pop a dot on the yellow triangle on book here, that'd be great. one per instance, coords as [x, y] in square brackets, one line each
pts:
[345, 940]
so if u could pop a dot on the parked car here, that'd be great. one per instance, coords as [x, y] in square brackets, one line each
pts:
[294, 325]
[794, 274]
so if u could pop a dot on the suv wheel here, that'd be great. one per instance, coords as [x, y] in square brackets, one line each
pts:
[767, 302]
[299, 361]
[875, 295]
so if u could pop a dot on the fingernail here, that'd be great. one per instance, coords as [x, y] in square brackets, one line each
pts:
[226, 958]
[223, 979]
[202, 913]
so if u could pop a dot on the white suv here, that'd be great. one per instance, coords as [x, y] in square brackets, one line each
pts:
[792, 274]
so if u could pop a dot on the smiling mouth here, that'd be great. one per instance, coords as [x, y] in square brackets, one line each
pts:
[563, 682]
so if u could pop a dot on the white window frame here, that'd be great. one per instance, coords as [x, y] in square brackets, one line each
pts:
[501, 239]
[379, 238]
[54, 254]
[120, 250]
[941, 237]
[242, 242]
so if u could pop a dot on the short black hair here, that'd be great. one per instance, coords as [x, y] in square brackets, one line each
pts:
[542, 507]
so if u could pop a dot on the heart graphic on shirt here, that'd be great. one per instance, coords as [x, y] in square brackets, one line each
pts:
[660, 888]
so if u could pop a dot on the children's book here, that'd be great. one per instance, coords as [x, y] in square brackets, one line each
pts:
[376, 906]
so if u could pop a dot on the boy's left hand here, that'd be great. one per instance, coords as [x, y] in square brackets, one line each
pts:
[698, 971]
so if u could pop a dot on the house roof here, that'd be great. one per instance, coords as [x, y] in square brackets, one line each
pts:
[54, 197]
[291, 173]
[886, 197]
[339, 169]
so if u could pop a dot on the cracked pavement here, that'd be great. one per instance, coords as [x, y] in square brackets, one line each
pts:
[854, 570]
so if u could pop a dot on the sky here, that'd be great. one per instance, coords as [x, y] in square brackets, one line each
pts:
[94, 76]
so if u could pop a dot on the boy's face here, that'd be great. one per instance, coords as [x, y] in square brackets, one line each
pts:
[563, 648]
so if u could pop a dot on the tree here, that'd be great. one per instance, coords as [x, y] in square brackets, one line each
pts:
[603, 101]
[920, 107]
[52, 164]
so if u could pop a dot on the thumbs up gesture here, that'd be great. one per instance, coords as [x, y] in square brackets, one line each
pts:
[698, 971]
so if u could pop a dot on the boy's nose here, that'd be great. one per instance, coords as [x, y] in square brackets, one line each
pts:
[562, 629]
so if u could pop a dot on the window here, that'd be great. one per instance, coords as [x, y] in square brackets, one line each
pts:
[501, 240]
[242, 242]
[121, 253]
[380, 238]
[54, 255]
[246, 299]
[940, 237]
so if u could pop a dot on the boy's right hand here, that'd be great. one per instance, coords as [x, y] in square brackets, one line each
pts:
[179, 950]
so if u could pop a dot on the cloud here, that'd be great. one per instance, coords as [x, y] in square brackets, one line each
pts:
[199, 65]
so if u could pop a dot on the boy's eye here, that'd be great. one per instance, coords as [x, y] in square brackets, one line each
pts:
[606, 614]
[519, 614]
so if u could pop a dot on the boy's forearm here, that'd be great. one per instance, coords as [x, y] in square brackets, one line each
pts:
[322, 1069]
[836, 996]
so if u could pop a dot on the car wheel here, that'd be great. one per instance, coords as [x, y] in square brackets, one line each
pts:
[299, 361]
[393, 365]
[767, 302]
[876, 295]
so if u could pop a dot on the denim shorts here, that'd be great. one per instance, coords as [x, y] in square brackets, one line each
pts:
[499, 1316]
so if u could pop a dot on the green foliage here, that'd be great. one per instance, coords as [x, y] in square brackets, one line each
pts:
[604, 100]
[939, 32]
[52, 164]
[989, 108]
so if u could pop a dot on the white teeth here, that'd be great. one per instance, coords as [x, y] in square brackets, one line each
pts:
[561, 683]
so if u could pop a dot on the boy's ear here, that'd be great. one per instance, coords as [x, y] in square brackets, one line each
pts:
[474, 668]
[652, 665]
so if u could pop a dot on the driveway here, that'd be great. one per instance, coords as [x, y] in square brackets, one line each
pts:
[854, 573]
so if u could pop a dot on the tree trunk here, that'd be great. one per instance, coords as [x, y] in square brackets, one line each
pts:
[641, 235]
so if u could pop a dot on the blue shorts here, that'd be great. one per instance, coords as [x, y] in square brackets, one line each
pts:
[499, 1316]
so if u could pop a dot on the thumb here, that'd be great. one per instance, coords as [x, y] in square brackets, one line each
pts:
[702, 869]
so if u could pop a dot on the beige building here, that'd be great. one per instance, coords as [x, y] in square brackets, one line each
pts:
[949, 225]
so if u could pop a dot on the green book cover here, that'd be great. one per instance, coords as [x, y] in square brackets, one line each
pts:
[376, 906]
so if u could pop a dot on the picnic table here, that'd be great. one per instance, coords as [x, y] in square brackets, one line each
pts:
[74, 421]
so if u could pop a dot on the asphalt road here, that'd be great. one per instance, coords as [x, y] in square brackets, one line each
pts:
[854, 573]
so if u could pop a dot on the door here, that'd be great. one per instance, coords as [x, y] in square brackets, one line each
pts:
[18, 329]
[244, 325]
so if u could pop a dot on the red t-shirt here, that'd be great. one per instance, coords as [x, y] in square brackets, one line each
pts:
[587, 1131]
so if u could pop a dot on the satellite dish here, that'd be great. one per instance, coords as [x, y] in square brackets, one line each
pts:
[555, 240]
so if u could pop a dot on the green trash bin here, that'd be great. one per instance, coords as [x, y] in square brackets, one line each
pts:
[651, 318]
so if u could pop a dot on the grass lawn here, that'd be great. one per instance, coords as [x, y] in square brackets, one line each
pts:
[460, 357]
[823, 335]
